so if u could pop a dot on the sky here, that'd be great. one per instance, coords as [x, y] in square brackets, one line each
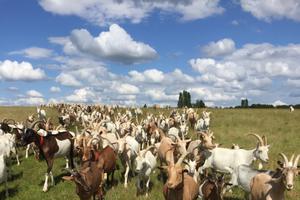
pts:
[136, 52]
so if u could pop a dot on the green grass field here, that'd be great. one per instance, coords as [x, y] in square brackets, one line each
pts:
[229, 126]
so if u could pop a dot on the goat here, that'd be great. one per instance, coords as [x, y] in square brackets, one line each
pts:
[3, 173]
[51, 146]
[212, 188]
[243, 174]
[227, 160]
[107, 158]
[8, 145]
[145, 163]
[128, 149]
[88, 180]
[41, 114]
[266, 187]
[180, 185]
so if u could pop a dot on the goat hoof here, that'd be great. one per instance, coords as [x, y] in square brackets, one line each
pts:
[45, 190]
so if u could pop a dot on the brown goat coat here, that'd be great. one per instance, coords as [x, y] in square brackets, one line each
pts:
[263, 188]
[187, 190]
[92, 176]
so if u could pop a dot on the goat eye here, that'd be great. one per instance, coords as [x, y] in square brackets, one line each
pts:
[260, 151]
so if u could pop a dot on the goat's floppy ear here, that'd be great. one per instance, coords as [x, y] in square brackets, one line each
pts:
[68, 178]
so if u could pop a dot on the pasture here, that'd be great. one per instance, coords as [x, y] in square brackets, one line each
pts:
[281, 127]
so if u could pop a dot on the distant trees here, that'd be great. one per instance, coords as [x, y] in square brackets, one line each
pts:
[244, 103]
[199, 104]
[184, 99]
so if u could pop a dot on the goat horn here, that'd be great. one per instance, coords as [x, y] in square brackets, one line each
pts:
[265, 140]
[35, 122]
[261, 142]
[144, 153]
[180, 160]
[286, 161]
[58, 127]
[296, 161]
[7, 120]
[292, 158]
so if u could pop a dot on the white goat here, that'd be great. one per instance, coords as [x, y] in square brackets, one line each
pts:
[41, 113]
[145, 164]
[128, 149]
[8, 145]
[227, 160]
[3, 173]
[243, 174]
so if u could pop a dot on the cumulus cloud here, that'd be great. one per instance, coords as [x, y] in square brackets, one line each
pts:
[34, 52]
[272, 9]
[67, 80]
[102, 12]
[158, 95]
[278, 103]
[115, 45]
[30, 101]
[83, 95]
[149, 75]
[33, 93]
[125, 88]
[209, 95]
[20, 71]
[219, 48]
[55, 89]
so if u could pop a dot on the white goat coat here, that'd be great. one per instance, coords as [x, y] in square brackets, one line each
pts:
[3, 172]
[226, 160]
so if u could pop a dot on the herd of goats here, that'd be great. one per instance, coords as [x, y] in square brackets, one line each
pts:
[189, 169]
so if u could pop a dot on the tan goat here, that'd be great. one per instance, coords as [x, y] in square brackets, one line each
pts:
[266, 187]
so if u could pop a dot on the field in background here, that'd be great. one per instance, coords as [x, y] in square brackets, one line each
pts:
[229, 126]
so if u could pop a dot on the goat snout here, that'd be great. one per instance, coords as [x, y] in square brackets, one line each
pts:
[289, 186]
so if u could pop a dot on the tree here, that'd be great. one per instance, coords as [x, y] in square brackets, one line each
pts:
[184, 99]
[244, 103]
[180, 101]
[199, 104]
[145, 106]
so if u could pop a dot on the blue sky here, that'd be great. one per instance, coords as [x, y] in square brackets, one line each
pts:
[133, 52]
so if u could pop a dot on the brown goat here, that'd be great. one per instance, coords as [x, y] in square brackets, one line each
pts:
[88, 180]
[266, 187]
[106, 158]
[180, 185]
[212, 188]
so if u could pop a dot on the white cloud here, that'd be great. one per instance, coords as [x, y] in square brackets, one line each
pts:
[272, 9]
[149, 75]
[55, 89]
[67, 80]
[23, 71]
[102, 12]
[125, 88]
[34, 52]
[30, 101]
[209, 95]
[12, 89]
[219, 48]
[83, 95]
[115, 45]
[33, 93]
[160, 95]
[278, 103]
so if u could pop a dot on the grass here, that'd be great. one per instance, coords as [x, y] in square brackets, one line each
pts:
[230, 126]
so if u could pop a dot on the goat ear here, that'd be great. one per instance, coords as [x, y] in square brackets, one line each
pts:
[280, 164]
[68, 178]
[229, 184]
[162, 167]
